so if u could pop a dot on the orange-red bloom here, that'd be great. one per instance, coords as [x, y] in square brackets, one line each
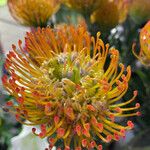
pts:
[63, 85]
[144, 55]
[33, 12]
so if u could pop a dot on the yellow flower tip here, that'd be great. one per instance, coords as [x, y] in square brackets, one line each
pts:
[144, 54]
[60, 82]
[33, 13]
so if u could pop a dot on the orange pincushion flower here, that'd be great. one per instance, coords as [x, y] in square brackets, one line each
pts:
[110, 13]
[33, 12]
[144, 55]
[64, 88]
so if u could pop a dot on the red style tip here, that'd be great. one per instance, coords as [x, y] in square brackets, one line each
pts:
[4, 79]
[67, 148]
[135, 93]
[138, 113]
[17, 90]
[13, 46]
[19, 42]
[94, 120]
[12, 54]
[33, 130]
[118, 109]
[17, 116]
[84, 142]
[100, 126]
[100, 147]
[41, 135]
[130, 124]
[60, 132]
[137, 105]
[43, 127]
[22, 89]
[78, 148]
[123, 132]
[112, 117]
[20, 100]
[86, 133]
[78, 129]
[109, 138]
[52, 140]
[90, 107]
[116, 136]
[56, 119]
[87, 126]
[92, 144]
[9, 103]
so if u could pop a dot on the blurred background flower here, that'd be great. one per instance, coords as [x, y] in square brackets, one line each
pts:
[144, 54]
[139, 11]
[33, 12]
[110, 13]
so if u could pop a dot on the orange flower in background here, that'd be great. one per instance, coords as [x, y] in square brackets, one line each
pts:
[83, 6]
[33, 12]
[110, 13]
[144, 55]
[139, 11]
[62, 86]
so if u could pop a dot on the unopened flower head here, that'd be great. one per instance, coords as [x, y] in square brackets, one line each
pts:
[62, 84]
[144, 54]
[83, 6]
[110, 13]
[33, 12]
[139, 11]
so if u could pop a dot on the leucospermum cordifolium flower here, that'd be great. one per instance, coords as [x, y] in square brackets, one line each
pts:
[33, 12]
[144, 54]
[62, 84]
[110, 13]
